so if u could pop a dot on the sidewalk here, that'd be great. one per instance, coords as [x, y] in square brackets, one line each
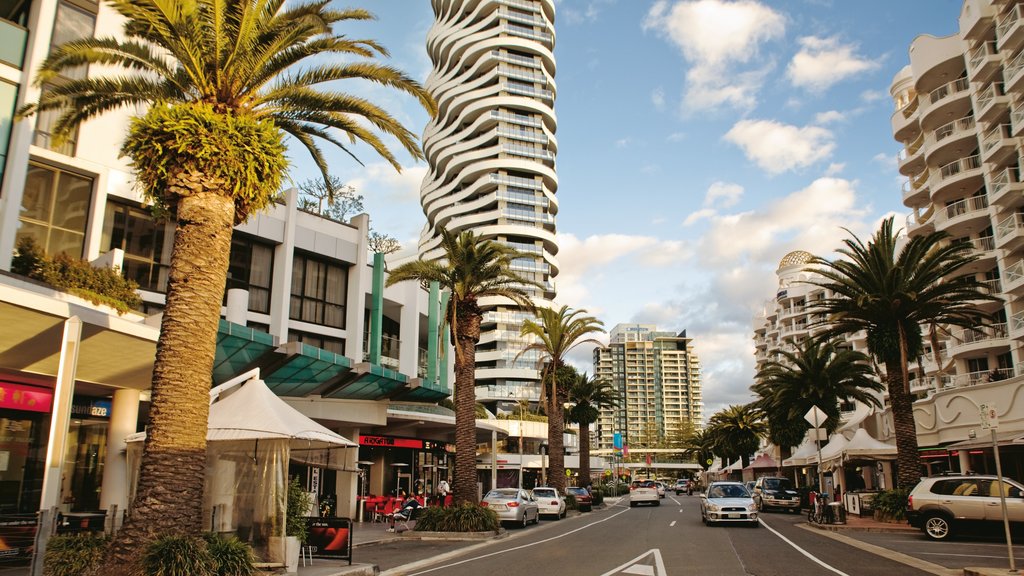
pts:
[866, 524]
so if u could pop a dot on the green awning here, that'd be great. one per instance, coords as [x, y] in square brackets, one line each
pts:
[369, 382]
[424, 391]
[238, 349]
[304, 369]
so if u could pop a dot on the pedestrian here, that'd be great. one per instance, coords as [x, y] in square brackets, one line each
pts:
[442, 491]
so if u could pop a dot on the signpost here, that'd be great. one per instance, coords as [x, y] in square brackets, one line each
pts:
[816, 417]
[990, 421]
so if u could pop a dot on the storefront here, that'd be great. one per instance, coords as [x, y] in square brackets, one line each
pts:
[24, 428]
[393, 463]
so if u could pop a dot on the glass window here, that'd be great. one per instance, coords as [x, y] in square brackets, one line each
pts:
[145, 241]
[13, 31]
[318, 294]
[72, 23]
[54, 210]
[331, 344]
[8, 97]
[251, 268]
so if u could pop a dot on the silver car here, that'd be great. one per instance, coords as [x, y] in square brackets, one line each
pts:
[550, 502]
[512, 505]
[728, 502]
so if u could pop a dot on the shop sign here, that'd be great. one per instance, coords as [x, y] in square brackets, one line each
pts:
[18, 397]
[91, 408]
[390, 442]
[329, 537]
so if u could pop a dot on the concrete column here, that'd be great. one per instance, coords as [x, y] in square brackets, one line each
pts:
[347, 482]
[238, 306]
[124, 417]
[60, 417]
[965, 460]
[409, 346]
[358, 288]
[281, 281]
[376, 308]
[885, 478]
[432, 327]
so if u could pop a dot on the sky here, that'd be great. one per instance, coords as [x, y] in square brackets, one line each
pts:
[699, 141]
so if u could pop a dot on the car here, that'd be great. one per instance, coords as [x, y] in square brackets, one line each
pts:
[660, 486]
[778, 493]
[943, 506]
[728, 503]
[513, 505]
[750, 486]
[550, 502]
[681, 485]
[584, 499]
[643, 491]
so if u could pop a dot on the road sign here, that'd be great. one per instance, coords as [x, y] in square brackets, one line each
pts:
[815, 417]
[819, 434]
[989, 417]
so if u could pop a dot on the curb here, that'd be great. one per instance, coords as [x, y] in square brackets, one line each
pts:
[895, 529]
[453, 536]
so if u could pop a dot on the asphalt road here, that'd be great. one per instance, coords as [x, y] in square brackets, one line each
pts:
[654, 541]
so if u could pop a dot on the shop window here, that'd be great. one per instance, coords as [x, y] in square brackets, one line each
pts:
[22, 453]
[146, 243]
[55, 209]
[319, 288]
[251, 268]
[331, 344]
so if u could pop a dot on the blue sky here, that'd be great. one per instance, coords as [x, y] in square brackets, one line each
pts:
[698, 143]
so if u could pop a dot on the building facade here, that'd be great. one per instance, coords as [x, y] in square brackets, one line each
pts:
[657, 377]
[491, 152]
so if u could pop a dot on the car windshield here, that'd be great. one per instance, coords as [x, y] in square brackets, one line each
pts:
[544, 492]
[577, 491]
[778, 484]
[727, 491]
[502, 494]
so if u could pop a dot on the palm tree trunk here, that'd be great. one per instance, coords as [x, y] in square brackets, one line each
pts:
[468, 335]
[585, 452]
[169, 497]
[556, 427]
[907, 457]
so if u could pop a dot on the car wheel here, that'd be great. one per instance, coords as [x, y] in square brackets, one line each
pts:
[755, 524]
[937, 527]
[632, 504]
[526, 520]
[657, 502]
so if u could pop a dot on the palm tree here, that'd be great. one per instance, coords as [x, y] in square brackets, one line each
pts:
[471, 268]
[699, 446]
[736, 432]
[817, 373]
[556, 334]
[588, 395]
[889, 292]
[222, 86]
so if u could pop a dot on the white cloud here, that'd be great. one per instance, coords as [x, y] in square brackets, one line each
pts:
[822, 62]
[380, 181]
[676, 137]
[873, 95]
[888, 161]
[702, 214]
[723, 194]
[623, 142]
[716, 38]
[829, 117]
[778, 147]
[658, 98]
[835, 168]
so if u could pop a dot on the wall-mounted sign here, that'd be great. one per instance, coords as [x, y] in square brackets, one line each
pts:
[18, 397]
[90, 408]
[414, 443]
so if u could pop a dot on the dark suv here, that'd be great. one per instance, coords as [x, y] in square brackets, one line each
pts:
[941, 506]
[772, 492]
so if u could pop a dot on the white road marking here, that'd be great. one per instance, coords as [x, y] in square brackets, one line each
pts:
[962, 555]
[545, 541]
[634, 566]
[802, 551]
[672, 523]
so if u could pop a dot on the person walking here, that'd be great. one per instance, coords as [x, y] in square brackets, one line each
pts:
[442, 492]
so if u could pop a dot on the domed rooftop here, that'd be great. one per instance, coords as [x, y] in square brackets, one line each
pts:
[795, 258]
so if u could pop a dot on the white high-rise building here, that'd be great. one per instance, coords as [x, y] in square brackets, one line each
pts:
[491, 150]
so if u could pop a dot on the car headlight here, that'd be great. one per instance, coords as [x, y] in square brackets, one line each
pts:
[713, 507]
[751, 507]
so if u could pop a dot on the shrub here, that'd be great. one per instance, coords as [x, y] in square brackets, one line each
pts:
[27, 257]
[178, 556]
[74, 554]
[598, 494]
[98, 285]
[467, 517]
[892, 503]
[231, 556]
[298, 506]
[570, 502]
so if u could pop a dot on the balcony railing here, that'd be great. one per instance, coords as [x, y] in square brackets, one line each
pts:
[978, 55]
[974, 335]
[967, 205]
[1011, 70]
[957, 166]
[954, 87]
[530, 183]
[1007, 22]
[947, 130]
[1002, 179]
[1009, 225]
[911, 148]
[993, 137]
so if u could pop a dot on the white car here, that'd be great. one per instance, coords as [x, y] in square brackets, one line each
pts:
[643, 491]
[550, 502]
[661, 488]
[728, 503]
[512, 505]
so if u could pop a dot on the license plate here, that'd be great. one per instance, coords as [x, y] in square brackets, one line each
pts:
[500, 507]
[733, 515]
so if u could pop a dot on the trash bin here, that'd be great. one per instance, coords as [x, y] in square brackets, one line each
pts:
[838, 512]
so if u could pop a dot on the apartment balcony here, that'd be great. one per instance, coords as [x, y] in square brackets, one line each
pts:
[1017, 120]
[958, 175]
[911, 157]
[972, 340]
[1004, 186]
[983, 62]
[921, 220]
[950, 98]
[1013, 281]
[1017, 326]
[916, 189]
[950, 140]
[998, 145]
[984, 249]
[905, 122]
[976, 22]
[991, 103]
[1010, 232]
[960, 217]
[1009, 32]
[1013, 73]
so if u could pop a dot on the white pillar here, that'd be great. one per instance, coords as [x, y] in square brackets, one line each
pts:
[494, 459]
[409, 352]
[360, 284]
[281, 281]
[124, 417]
[237, 306]
[965, 460]
[60, 417]
[347, 482]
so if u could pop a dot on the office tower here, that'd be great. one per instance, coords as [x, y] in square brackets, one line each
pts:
[657, 376]
[491, 150]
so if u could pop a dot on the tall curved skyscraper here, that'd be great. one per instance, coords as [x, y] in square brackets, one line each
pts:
[491, 151]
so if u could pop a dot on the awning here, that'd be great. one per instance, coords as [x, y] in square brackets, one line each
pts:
[803, 453]
[984, 440]
[863, 446]
[763, 462]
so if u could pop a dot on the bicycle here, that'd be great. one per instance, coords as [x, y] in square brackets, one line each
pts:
[820, 512]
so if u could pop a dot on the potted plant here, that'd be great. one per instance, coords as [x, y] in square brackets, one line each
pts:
[295, 530]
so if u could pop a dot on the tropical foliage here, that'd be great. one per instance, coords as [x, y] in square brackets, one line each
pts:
[556, 333]
[222, 82]
[466, 517]
[588, 395]
[736, 432]
[889, 288]
[699, 446]
[817, 373]
[470, 269]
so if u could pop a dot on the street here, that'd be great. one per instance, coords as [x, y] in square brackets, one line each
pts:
[670, 539]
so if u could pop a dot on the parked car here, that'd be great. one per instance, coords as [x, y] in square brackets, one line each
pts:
[643, 491]
[772, 492]
[681, 486]
[584, 500]
[728, 503]
[942, 506]
[660, 486]
[550, 502]
[512, 505]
